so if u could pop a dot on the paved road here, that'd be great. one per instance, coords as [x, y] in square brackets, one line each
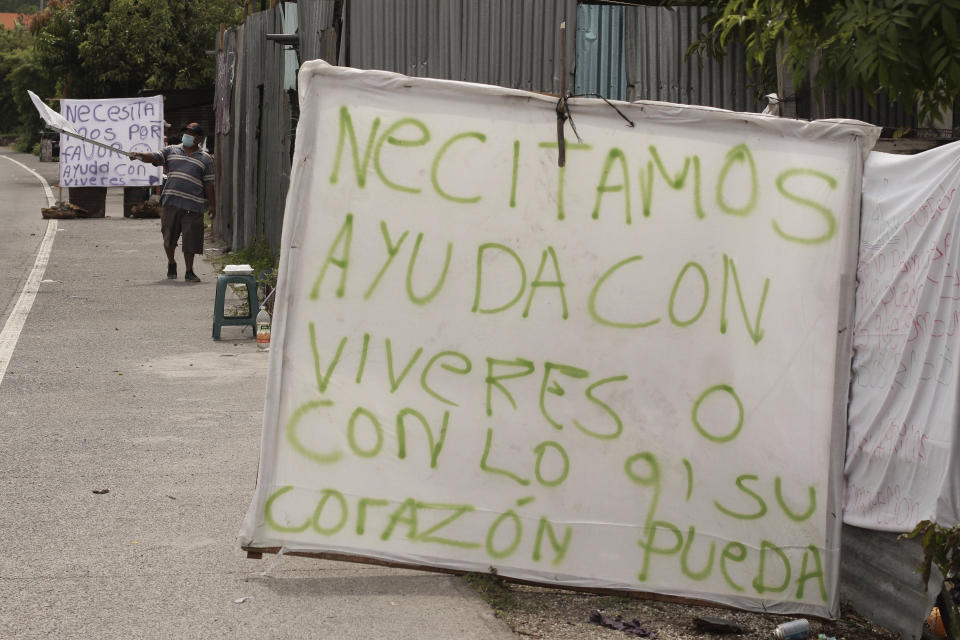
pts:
[21, 229]
[115, 384]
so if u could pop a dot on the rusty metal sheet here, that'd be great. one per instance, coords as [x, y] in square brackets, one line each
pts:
[601, 61]
[878, 578]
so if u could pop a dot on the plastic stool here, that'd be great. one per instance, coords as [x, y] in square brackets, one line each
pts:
[218, 320]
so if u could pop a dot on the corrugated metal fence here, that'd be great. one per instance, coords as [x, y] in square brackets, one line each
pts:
[619, 52]
[512, 43]
[601, 64]
[253, 132]
[854, 104]
[657, 39]
[317, 30]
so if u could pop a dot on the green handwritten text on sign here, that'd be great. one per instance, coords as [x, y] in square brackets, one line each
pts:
[619, 372]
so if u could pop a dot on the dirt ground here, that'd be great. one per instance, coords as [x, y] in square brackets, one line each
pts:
[552, 614]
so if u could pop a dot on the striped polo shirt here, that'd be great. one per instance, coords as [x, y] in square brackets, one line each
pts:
[186, 176]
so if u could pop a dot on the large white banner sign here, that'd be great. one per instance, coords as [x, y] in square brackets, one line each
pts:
[619, 373]
[128, 124]
[902, 454]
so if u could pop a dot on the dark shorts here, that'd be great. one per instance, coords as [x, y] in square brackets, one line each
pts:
[175, 222]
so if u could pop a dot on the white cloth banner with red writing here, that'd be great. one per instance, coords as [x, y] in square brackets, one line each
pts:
[902, 447]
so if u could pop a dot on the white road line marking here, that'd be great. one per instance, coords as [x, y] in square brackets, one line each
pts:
[18, 317]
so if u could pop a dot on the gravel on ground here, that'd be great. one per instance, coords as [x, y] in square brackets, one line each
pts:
[555, 614]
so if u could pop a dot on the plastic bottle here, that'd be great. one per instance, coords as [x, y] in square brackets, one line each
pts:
[263, 330]
[793, 630]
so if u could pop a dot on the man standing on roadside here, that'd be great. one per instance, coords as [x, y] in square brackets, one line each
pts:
[190, 176]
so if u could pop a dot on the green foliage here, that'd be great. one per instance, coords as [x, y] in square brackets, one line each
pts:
[107, 49]
[909, 49]
[494, 590]
[13, 44]
[120, 48]
[941, 546]
[258, 255]
[21, 68]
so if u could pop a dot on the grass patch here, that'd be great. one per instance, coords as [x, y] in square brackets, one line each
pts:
[612, 602]
[494, 590]
[258, 255]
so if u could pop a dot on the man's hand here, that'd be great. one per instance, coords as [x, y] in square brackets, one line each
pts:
[211, 194]
[142, 157]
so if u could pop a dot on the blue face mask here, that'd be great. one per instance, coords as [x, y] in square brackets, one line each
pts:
[187, 140]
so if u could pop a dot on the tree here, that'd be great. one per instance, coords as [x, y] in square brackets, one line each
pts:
[22, 70]
[13, 43]
[909, 49]
[119, 48]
